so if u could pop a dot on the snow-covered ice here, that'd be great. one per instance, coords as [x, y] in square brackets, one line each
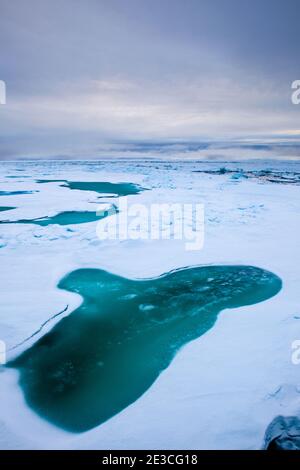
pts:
[223, 389]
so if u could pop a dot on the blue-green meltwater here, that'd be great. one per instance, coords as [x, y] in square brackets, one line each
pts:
[65, 218]
[102, 187]
[6, 208]
[109, 351]
[16, 193]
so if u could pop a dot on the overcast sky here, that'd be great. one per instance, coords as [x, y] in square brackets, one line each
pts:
[81, 74]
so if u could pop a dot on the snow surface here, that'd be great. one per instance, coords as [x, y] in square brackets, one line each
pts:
[222, 390]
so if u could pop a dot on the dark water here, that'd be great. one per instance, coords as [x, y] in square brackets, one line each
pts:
[119, 189]
[110, 350]
[6, 208]
[63, 218]
[15, 193]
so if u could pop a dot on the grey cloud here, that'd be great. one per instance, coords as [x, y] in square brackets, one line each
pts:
[151, 70]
